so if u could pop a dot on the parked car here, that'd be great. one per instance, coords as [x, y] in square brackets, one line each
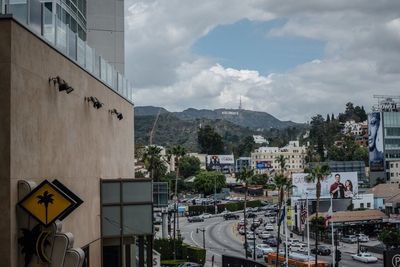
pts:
[322, 250]
[195, 219]
[364, 257]
[349, 239]
[205, 215]
[362, 238]
[231, 216]
[265, 248]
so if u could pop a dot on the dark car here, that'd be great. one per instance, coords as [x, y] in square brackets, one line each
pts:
[272, 242]
[231, 216]
[322, 250]
[195, 219]
[251, 215]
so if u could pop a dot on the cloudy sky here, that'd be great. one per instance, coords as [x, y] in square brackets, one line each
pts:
[290, 58]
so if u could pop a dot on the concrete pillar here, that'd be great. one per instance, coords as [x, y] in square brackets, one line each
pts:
[164, 225]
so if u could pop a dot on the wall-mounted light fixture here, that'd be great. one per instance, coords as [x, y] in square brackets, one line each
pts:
[62, 85]
[119, 114]
[96, 103]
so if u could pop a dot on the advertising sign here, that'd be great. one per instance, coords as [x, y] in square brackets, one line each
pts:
[375, 142]
[391, 258]
[340, 184]
[263, 165]
[223, 163]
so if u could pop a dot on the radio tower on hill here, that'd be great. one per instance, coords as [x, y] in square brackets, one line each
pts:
[240, 103]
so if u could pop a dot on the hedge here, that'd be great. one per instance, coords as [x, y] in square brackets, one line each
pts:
[171, 262]
[184, 252]
[232, 206]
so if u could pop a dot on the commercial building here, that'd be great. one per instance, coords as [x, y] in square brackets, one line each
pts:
[384, 137]
[67, 115]
[241, 163]
[263, 159]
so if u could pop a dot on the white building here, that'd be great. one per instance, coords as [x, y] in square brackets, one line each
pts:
[363, 201]
[394, 170]
[355, 128]
[263, 159]
[259, 139]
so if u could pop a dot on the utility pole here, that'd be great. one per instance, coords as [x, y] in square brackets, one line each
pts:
[245, 219]
[254, 243]
[215, 195]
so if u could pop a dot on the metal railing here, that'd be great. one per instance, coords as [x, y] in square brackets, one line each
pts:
[49, 27]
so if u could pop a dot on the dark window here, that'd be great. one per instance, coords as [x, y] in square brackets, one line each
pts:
[86, 260]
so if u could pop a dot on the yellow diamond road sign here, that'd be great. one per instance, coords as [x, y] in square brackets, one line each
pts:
[46, 203]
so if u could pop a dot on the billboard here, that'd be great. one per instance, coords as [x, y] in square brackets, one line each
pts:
[375, 142]
[224, 163]
[340, 184]
[263, 165]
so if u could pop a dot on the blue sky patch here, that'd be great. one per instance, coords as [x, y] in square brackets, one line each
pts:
[245, 45]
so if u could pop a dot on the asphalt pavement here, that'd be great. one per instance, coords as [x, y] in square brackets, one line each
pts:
[221, 237]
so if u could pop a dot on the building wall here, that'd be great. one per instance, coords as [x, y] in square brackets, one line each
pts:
[365, 201]
[394, 170]
[105, 30]
[54, 135]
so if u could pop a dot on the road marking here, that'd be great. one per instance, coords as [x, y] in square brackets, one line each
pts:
[191, 236]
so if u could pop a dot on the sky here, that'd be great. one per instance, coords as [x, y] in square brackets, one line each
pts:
[293, 59]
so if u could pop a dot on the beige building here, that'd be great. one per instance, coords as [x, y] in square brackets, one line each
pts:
[263, 159]
[49, 130]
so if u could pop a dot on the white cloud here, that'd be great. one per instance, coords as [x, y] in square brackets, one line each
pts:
[361, 55]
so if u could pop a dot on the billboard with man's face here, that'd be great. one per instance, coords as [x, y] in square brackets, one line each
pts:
[340, 185]
[375, 142]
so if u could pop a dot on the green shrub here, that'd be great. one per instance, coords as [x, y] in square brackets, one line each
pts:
[171, 262]
[184, 252]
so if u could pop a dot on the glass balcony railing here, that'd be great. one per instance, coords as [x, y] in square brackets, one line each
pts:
[45, 24]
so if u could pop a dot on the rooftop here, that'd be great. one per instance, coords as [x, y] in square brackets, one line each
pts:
[355, 215]
[385, 190]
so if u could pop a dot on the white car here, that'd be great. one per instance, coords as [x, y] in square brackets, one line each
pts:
[265, 248]
[269, 227]
[251, 236]
[264, 234]
[364, 257]
[205, 216]
[362, 238]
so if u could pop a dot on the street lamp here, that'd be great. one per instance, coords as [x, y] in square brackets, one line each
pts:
[204, 236]
[215, 195]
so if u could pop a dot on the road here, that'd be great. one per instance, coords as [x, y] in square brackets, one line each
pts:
[221, 237]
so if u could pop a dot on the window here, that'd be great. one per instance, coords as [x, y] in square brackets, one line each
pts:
[368, 205]
[361, 205]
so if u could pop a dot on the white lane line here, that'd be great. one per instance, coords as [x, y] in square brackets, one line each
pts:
[194, 241]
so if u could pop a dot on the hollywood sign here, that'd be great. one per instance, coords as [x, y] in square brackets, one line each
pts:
[230, 113]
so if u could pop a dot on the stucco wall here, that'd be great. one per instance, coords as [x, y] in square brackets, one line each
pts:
[54, 135]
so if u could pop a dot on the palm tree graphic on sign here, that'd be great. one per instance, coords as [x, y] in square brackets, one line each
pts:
[45, 199]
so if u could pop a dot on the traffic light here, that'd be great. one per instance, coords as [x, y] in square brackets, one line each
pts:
[338, 255]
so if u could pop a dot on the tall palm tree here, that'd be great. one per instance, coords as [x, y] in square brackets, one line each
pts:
[152, 160]
[283, 185]
[282, 163]
[245, 176]
[45, 199]
[318, 174]
[177, 151]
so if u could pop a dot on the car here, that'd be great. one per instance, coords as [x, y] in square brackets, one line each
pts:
[157, 220]
[269, 227]
[364, 257]
[250, 249]
[264, 235]
[251, 235]
[349, 239]
[190, 264]
[362, 238]
[241, 230]
[251, 215]
[272, 220]
[265, 248]
[205, 215]
[195, 219]
[322, 250]
[272, 241]
[231, 216]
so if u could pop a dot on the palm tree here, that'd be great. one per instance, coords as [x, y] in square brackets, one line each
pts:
[318, 173]
[282, 162]
[245, 176]
[152, 160]
[45, 199]
[283, 185]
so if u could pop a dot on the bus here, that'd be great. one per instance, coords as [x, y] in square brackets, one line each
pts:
[295, 260]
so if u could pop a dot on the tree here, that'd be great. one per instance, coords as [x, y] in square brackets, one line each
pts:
[318, 134]
[390, 237]
[282, 163]
[259, 179]
[153, 162]
[246, 146]
[210, 142]
[317, 174]
[45, 199]
[189, 166]
[205, 182]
